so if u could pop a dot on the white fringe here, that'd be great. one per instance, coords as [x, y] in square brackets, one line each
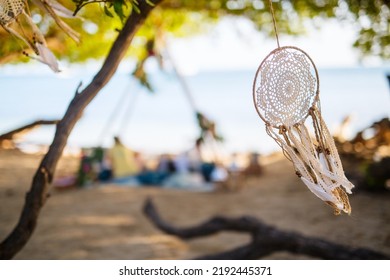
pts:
[319, 168]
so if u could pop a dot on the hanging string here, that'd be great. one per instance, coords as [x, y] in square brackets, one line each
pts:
[274, 22]
[128, 113]
[209, 140]
[182, 81]
[106, 129]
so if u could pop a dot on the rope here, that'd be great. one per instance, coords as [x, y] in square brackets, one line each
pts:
[212, 143]
[182, 81]
[113, 115]
[274, 23]
[128, 112]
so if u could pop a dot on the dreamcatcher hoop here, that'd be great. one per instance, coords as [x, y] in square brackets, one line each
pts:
[9, 10]
[289, 94]
[285, 93]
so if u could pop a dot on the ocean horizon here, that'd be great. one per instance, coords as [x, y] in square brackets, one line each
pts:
[164, 121]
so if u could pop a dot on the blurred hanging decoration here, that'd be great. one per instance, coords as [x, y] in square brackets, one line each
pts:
[15, 18]
[57, 11]
[207, 128]
[139, 72]
[285, 94]
[156, 46]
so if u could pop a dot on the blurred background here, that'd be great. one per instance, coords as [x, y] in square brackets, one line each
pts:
[216, 46]
[188, 77]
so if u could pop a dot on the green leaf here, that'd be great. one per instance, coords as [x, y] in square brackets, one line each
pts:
[107, 12]
[118, 8]
[136, 9]
[150, 3]
[134, 6]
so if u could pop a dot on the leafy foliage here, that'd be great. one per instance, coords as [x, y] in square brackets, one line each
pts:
[102, 19]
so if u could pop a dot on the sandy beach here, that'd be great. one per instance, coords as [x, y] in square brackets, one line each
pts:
[106, 221]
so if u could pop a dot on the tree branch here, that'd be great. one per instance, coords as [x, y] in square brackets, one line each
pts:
[265, 239]
[80, 6]
[10, 134]
[36, 197]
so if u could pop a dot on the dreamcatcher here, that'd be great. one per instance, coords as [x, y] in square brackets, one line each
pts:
[16, 20]
[286, 94]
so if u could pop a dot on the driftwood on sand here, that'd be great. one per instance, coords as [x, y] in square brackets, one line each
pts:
[265, 239]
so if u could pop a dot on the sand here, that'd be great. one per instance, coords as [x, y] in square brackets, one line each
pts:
[106, 221]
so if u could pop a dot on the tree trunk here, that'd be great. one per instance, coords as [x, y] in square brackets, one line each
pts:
[39, 191]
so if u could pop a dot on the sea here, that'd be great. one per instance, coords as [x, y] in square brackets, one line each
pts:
[163, 121]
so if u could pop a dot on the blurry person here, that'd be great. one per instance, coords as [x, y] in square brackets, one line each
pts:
[219, 176]
[86, 173]
[166, 165]
[182, 163]
[122, 160]
[254, 168]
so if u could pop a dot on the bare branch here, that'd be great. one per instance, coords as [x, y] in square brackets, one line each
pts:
[11, 134]
[80, 6]
[214, 225]
[265, 239]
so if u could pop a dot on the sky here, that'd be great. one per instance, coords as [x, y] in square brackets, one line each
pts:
[235, 44]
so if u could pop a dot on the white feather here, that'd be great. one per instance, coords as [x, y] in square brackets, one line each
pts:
[47, 57]
[320, 193]
[61, 10]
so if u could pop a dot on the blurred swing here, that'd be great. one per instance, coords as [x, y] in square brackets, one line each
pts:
[208, 137]
[113, 118]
